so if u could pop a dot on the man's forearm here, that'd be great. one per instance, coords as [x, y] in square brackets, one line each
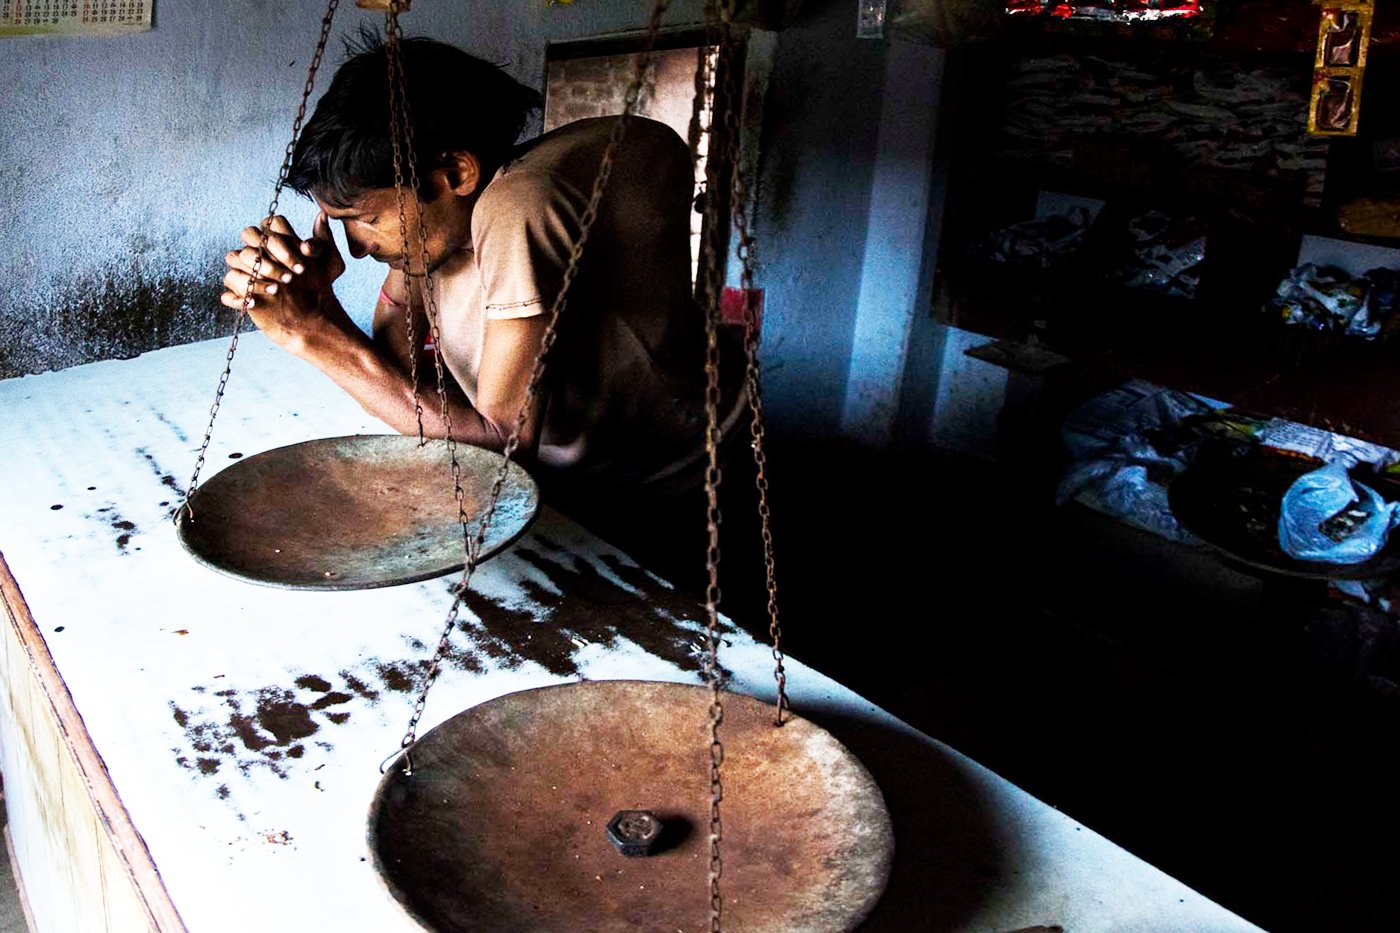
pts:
[383, 387]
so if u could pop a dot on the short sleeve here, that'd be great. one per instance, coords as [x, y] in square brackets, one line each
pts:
[523, 228]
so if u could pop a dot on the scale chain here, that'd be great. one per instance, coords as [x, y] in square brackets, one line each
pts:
[713, 287]
[264, 231]
[739, 203]
[401, 122]
[589, 217]
[586, 222]
[392, 51]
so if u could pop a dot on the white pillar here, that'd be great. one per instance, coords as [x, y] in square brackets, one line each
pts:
[894, 241]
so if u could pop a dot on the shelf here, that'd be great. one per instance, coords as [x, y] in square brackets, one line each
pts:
[1233, 354]
[1256, 207]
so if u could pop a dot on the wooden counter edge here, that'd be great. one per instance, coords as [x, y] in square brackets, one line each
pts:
[24, 909]
[131, 848]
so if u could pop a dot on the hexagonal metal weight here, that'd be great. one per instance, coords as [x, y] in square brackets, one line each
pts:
[634, 832]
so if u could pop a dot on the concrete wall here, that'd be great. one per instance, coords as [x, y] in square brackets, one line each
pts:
[845, 210]
[820, 133]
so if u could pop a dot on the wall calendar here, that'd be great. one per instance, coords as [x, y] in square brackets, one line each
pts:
[74, 17]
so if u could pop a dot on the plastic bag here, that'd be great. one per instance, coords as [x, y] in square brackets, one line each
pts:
[1040, 243]
[1327, 517]
[1117, 467]
[1328, 298]
[1167, 254]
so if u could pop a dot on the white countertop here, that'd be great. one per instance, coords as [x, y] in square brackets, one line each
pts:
[243, 726]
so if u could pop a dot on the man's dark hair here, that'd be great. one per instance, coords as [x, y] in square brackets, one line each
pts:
[456, 102]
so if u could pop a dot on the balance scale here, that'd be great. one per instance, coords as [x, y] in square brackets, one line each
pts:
[598, 805]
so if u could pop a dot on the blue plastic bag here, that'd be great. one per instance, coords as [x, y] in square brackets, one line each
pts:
[1327, 517]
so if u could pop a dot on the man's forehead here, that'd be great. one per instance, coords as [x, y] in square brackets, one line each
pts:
[369, 202]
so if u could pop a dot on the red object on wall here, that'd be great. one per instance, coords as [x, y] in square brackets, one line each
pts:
[731, 306]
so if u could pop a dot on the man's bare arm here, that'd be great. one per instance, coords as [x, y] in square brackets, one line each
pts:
[396, 306]
[298, 311]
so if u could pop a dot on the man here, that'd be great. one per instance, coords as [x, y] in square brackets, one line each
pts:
[617, 436]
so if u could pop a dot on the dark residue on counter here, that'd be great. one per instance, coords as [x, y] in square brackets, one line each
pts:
[166, 479]
[268, 728]
[582, 605]
[358, 686]
[175, 429]
[400, 676]
[281, 716]
[125, 530]
[312, 682]
[256, 729]
[569, 604]
[333, 698]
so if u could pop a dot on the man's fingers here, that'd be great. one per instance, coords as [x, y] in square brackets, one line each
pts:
[232, 301]
[246, 258]
[321, 239]
[279, 224]
[279, 246]
[237, 281]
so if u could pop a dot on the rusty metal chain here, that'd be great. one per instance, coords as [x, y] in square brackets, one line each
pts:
[711, 290]
[739, 205]
[586, 222]
[401, 122]
[242, 315]
[392, 52]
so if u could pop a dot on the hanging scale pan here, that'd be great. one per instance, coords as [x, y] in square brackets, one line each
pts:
[347, 513]
[509, 819]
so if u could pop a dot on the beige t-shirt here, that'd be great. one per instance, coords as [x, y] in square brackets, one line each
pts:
[625, 381]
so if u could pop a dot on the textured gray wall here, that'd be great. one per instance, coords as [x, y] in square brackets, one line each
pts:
[821, 126]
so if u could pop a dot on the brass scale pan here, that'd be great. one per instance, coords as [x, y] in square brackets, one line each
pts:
[348, 513]
[502, 825]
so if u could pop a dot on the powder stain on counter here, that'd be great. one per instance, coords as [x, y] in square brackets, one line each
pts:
[125, 530]
[581, 605]
[569, 604]
[166, 479]
[357, 686]
[257, 729]
[332, 698]
[281, 716]
[175, 429]
[312, 682]
[399, 676]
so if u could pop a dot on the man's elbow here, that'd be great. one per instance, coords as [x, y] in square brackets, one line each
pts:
[500, 426]
[526, 436]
